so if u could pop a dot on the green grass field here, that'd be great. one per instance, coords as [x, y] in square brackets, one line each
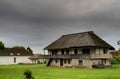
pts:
[43, 72]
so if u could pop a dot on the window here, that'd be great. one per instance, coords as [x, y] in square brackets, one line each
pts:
[62, 52]
[18, 53]
[105, 51]
[11, 54]
[38, 62]
[86, 51]
[65, 61]
[80, 62]
[75, 51]
[14, 60]
[103, 61]
[68, 61]
[54, 52]
[67, 51]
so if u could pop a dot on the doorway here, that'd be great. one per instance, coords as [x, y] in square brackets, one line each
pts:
[61, 62]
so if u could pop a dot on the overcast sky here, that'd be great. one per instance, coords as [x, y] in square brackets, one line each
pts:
[37, 23]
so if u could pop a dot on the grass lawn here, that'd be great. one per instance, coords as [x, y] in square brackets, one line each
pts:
[43, 72]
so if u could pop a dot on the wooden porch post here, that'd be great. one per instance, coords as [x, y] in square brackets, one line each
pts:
[44, 56]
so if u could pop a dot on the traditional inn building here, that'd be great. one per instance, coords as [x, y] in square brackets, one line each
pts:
[14, 56]
[79, 50]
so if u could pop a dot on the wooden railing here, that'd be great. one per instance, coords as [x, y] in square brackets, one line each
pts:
[77, 56]
[68, 56]
[95, 56]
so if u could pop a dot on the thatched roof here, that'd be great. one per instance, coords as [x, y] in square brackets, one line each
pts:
[15, 52]
[36, 56]
[78, 40]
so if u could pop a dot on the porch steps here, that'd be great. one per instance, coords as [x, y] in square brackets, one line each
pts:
[49, 62]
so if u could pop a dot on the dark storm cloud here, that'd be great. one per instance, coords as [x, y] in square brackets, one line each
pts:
[36, 23]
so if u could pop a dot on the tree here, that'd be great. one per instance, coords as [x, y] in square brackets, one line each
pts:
[1, 45]
[29, 49]
[116, 58]
[118, 42]
[19, 47]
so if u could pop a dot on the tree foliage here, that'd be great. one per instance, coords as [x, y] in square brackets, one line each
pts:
[118, 42]
[19, 47]
[29, 49]
[1, 45]
[116, 58]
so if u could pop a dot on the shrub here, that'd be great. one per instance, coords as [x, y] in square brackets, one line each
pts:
[116, 58]
[113, 61]
[28, 74]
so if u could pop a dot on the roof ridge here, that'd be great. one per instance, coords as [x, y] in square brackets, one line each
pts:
[78, 33]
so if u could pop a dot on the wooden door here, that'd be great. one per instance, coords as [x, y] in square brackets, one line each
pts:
[61, 62]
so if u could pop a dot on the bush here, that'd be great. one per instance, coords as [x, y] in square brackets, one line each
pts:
[116, 58]
[28, 74]
[113, 61]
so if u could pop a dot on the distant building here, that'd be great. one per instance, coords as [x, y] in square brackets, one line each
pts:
[37, 59]
[79, 50]
[14, 56]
